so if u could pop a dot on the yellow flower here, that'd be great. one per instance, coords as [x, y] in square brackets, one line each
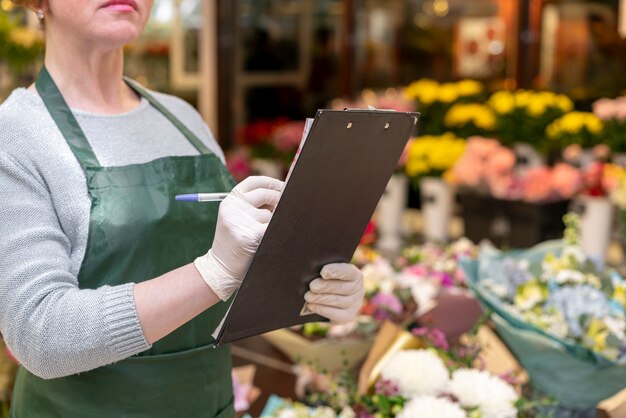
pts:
[424, 90]
[530, 294]
[469, 88]
[433, 153]
[564, 103]
[448, 93]
[596, 338]
[523, 98]
[502, 102]
[593, 123]
[479, 115]
[537, 107]
[619, 294]
[573, 122]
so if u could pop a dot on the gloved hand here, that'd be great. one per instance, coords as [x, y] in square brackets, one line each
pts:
[338, 294]
[241, 223]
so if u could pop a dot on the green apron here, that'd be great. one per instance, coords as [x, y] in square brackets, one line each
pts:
[137, 232]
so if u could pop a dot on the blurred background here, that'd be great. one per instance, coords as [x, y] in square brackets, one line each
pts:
[240, 61]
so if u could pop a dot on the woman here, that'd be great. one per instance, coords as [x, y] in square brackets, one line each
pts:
[107, 294]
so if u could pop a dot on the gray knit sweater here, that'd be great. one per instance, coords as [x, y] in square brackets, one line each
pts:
[54, 328]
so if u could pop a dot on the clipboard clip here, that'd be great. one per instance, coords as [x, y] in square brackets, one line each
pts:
[356, 109]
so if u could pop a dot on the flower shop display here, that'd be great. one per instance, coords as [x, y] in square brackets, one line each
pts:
[613, 113]
[429, 157]
[522, 116]
[434, 99]
[560, 313]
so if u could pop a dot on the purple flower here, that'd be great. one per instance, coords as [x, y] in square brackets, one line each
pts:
[386, 388]
[387, 302]
[435, 337]
[446, 279]
[438, 338]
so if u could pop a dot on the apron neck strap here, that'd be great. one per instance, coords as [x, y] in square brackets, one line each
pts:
[73, 133]
[65, 120]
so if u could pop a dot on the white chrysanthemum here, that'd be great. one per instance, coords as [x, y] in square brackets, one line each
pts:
[378, 274]
[569, 276]
[575, 252]
[417, 372]
[347, 412]
[476, 388]
[431, 407]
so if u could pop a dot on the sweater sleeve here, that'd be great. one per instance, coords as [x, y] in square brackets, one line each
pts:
[51, 326]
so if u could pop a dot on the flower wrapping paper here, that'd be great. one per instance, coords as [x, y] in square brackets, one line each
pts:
[572, 373]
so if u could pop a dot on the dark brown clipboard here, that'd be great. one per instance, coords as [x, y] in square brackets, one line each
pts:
[339, 176]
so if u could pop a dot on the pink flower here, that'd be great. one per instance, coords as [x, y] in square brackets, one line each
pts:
[501, 186]
[469, 170]
[238, 163]
[566, 180]
[481, 147]
[288, 136]
[419, 270]
[500, 162]
[386, 305]
[620, 109]
[601, 152]
[241, 391]
[605, 109]
[572, 153]
[538, 184]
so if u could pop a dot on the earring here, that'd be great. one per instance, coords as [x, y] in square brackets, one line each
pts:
[40, 14]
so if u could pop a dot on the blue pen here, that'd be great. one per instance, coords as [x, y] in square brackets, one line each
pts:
[201, 197]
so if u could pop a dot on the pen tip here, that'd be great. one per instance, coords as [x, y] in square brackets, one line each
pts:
[186, 198]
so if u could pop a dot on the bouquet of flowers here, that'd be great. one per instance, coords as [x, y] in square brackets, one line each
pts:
[560, 313]
[419, 374]
[434, 99]
[490, 168]
[431, 155]
[469, 119]
[583, 128]
[613, 113]
[523, 115]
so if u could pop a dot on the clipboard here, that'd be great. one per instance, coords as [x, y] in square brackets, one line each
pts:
[341, 171]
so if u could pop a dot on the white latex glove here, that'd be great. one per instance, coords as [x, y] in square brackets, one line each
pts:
[338, 294]
[241, 223]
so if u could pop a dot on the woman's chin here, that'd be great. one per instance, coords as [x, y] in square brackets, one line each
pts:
[119, 38]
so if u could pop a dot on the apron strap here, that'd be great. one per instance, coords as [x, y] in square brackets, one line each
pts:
[191, 137]
[73, 133]
[65, 120]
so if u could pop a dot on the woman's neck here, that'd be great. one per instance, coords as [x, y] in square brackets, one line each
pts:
[89, 79]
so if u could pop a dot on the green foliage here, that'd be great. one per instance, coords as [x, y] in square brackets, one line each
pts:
[19, 46]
